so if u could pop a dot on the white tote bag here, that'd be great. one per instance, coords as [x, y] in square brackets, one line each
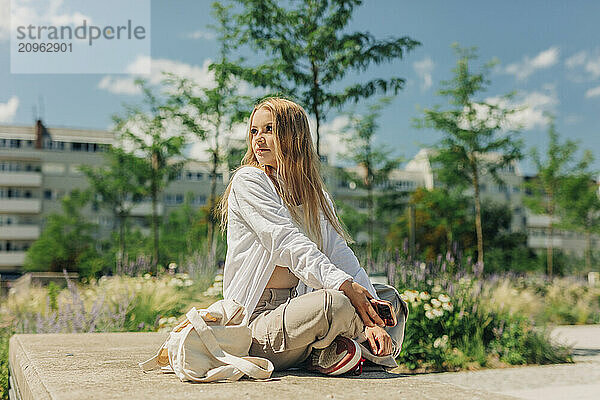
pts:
[210, 345]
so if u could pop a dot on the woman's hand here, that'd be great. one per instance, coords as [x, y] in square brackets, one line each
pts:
[380, 340]
[359, 297]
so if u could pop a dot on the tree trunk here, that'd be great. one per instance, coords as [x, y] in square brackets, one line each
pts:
[154, 194]
[211, 200]
[549, 250]
[550, 245]
[588, 250]
[315, 105]
[122, 237]
[478, 228]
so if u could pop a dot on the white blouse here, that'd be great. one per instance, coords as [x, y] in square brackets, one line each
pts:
[261, 233]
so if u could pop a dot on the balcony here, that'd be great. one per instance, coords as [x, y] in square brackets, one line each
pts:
[145, 208]
[30, 206]
[537, 220]
[19, 232]
[542, 242]
[12, 258]
[21, 179]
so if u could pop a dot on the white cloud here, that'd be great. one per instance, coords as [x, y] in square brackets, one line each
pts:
[332, 133]
[200, 75]
[199, 150]
[585, 64]
[424, 68]
[200, 34]
[576, 59]
[593, 92]
[531, 108]
[528, 66]
[36, 12]
[9, 109]
[119, 85]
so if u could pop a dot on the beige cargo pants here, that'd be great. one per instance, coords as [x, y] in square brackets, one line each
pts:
[285, 328]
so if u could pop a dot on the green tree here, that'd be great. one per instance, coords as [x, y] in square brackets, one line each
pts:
[184, 228]
[67, 241]
[210, 113]
[441, 217]
[506, 250]
[580, 204]
[547, 186]
[311, 50]
[119, 187]
[374, 162]
[161, 153]
[475, 139]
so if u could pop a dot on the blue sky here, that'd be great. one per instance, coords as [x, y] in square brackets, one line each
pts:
[548, 52]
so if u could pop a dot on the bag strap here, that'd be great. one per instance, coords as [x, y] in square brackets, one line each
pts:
[250, 366]
[152, 363]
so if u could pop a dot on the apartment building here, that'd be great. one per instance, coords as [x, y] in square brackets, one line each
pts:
[39, 165]
[511, 192]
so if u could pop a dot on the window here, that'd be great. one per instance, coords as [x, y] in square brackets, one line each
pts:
[199, 200]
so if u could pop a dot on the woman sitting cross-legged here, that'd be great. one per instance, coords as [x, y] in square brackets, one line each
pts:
[288, 262]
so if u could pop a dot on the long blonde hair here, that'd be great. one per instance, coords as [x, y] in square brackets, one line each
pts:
[298, 169]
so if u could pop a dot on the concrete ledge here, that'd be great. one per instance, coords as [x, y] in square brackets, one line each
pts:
[104, 366]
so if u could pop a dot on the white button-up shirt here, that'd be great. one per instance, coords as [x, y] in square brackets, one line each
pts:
[261, 234]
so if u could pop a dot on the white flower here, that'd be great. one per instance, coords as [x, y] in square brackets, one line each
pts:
[437, 312]
[427, 306]
[436, 303]
[429, 314]
[444, 298]
[447, 306]
[412, 295]
[424, 296]
[441, 342]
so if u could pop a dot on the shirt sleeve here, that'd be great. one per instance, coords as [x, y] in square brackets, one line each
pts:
[258, 205]
[344, 258]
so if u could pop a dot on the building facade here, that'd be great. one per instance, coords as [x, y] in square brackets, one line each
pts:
[40, 165]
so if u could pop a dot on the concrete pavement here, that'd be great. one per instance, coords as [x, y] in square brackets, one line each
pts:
[104, 365]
